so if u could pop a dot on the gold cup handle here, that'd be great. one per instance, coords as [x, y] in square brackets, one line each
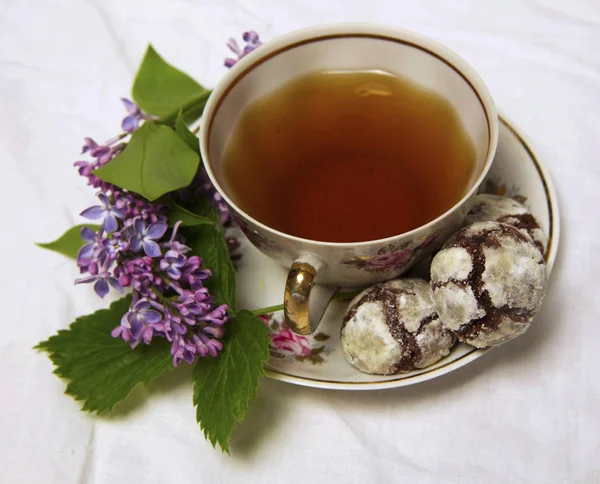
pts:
[304, 303]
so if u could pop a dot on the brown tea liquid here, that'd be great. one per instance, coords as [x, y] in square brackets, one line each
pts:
[348, 157]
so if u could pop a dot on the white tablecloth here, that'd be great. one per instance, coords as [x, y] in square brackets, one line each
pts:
[526, 412]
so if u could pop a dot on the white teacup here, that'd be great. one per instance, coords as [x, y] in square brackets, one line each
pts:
[347, 47]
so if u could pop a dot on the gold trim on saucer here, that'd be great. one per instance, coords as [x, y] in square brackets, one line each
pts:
[516, 134]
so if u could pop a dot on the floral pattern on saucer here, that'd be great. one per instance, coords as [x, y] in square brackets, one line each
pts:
[287, 344]
[391, 257]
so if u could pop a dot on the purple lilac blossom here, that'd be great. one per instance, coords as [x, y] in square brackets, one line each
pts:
[252, 42]
[105, 211]
[102, 281]
[87, 250]
[172, 263]
[135, 117]
[145, 236]
[138, 323]
[131, 249]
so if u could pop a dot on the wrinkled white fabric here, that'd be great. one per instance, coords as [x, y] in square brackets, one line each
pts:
[527, 412]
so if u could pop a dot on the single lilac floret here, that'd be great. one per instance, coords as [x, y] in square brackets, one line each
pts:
[132, 121]
[114, 245]
[207, 346]
[141, 312]
[106, 211]
[145, 236]
[102, 282]
[183, 350]
[86, 252]
[95, 150]
[172, 263]
[217, 316]
[252, 41]
[138, 324]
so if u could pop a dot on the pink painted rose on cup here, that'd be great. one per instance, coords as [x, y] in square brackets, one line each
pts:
[395, 260]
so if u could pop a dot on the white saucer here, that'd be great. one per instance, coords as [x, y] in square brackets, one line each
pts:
[318, 361]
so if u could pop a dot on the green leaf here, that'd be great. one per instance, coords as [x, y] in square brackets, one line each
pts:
[223, 386]
[102, 370]
[208, 242]
[178, 213]
[185, 134]
[156, 161]
[161, 89]
[68, 243]
[191, 110]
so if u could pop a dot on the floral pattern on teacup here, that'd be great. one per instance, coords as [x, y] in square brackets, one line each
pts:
[262, 242]
[391, 260]
[287, 344]
[391, 257]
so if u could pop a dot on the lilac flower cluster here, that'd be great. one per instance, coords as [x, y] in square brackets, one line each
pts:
[134, 248]
[252, 42]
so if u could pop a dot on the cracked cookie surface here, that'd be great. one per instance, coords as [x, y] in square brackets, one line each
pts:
[393, 327]
[487, 283]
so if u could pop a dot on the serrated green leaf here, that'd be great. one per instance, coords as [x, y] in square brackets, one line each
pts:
[208, 242]
[68, 243]
[102, 370]
[177, 213]
[161, 89]
[223, 386]
[185, 134]
[156, 161]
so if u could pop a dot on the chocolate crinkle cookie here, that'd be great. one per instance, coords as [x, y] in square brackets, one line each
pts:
[393, 327]
[488, 282]
[494, 208]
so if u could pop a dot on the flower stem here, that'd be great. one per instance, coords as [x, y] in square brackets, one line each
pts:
[267, 310]
[338, 296]
[119, 137]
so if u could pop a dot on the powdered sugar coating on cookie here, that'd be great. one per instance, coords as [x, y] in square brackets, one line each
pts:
[494, 208]
[453, 263]
[457, 303]
[393, 327]
[506, 265]
[368, 343]
[499, 297]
